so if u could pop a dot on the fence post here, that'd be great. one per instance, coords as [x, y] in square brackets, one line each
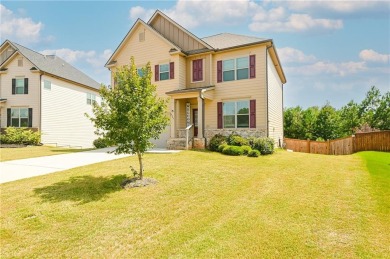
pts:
[353, 144]
[328, 146]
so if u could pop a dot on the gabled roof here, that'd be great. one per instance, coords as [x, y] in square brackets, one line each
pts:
[158, 12]
[53, 65]
[229, 40]
[139, 21]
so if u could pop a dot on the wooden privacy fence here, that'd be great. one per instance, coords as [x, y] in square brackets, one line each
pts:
[377, 141]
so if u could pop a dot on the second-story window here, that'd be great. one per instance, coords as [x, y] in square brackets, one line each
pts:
[19, 85]
[236, 69]
[91, 98]
[164, 72]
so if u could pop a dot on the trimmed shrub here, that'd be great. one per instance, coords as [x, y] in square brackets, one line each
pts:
[264, 145]
[232, 151]
[20, 136]
[246, 149]
[236, 140]
[216, 141]
[100, 143]
[221, 147]
[253, 153]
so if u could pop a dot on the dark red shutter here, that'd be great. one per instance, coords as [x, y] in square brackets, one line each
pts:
[8, 117]
[13, 86]
[195, 70]
[156, 72]
[172, 70]
[219, 114]
[200, 69]
[30, 117]
[219, 71]
[26, 86]
[252, 66]
[252, 113]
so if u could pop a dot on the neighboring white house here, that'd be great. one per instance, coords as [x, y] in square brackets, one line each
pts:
[45, 93]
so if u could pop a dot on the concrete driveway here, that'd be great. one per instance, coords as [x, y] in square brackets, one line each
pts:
[30, 167]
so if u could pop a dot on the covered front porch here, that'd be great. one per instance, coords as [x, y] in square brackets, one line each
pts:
[187, 125]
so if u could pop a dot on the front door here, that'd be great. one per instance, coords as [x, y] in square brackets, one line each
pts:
[195, 121]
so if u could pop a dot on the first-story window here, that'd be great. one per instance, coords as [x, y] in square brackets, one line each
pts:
[91, 98]
[140, 72]
[19, 117]
[236, 114]
[164, 72]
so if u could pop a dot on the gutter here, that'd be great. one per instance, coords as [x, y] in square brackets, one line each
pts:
[266, 86]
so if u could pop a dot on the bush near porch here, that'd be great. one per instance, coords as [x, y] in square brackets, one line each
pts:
[236, 145]
[20, 136]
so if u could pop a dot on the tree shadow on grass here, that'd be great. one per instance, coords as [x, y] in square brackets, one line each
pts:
[81, 189]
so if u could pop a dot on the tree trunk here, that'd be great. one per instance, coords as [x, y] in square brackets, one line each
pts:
[141, 167]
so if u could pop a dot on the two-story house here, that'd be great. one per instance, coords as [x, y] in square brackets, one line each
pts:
[45, 93]
[219, 84]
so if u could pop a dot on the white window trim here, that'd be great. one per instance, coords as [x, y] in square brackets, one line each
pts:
[235, 67]
[192, 72]
[235, 115]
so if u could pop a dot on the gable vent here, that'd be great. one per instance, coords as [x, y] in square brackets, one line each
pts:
[141, 36]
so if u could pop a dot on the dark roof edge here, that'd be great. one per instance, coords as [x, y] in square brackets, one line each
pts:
[190, 90]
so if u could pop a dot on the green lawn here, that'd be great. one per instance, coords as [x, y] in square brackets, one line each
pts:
[7, 154]
[205, 205]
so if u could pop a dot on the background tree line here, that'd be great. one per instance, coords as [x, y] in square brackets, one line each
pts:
[324, 123]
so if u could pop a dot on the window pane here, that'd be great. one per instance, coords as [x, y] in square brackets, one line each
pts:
[164, 76]
[15, 122]
[243, 107]
[24, 122]
[228, 121]
[229, 108]
[19, 90]
[140, 72]
[47, 84]
[228, 64]
[242, 73]
[243, 62]
[23, 113]
[164, 68]
[228, 75]
[15, 113]
[20, 82]
[242, 121]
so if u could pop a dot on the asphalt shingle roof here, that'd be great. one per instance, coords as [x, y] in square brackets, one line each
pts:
[228, 40]
[56, 66]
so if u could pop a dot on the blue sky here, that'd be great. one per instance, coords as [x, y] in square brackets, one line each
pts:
[330, 50]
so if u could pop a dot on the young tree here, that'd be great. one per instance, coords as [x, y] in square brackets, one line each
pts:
[131, 113]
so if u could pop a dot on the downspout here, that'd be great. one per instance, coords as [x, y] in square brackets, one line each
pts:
[40, 103]
[203, 117]
[282, 140]
[266, 86]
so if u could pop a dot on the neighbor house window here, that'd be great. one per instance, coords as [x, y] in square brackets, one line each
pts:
[236, 69]
[19, 117]
[91, 98]
[47, 84]
[236, 114]
[19, 85]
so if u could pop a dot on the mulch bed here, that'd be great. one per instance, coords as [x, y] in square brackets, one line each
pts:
[135, 182]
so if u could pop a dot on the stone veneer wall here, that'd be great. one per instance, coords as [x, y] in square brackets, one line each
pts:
[257, 133]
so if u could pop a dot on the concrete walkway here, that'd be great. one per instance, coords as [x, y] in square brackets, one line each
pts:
[30, 167]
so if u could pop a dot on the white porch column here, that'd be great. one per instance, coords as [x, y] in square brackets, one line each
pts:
[172, 115]
[200, 117]
[177, 116]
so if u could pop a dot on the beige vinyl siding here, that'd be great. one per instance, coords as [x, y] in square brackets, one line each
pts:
[206, 71]
[156, 51]
[275, 101]
[30, 100]
[183, 72]
[246, 89]
[176, 34]
[63, 109]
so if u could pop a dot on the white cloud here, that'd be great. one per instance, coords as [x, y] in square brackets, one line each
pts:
[291, 55]
[329, 68]
[294, 23]
[140, 12]
[21, 29]
[373, 56]
[70, 56]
